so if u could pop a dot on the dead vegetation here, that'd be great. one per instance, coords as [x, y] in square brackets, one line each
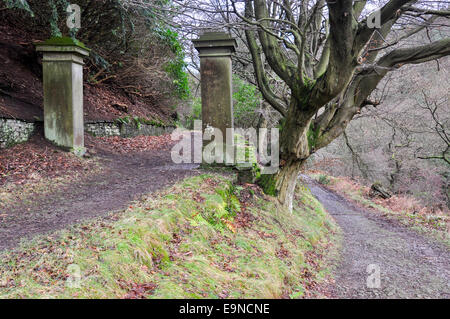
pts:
[405, 208]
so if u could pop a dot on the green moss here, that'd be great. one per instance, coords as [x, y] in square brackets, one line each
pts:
[309, 83]
[268, 184]
[304, 93]
[138, 121]
[281, 123]
[153, 122]
[324, 180]
[65, 41]
[312, 135]
[256, 171]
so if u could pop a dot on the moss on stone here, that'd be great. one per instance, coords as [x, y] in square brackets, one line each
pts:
[257, 171]
[65, 41]
[138, 121]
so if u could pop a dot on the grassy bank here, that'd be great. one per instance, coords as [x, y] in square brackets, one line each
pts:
[202, 238]
[404, 209]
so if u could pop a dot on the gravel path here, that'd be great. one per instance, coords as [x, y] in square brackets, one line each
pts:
[411, 266]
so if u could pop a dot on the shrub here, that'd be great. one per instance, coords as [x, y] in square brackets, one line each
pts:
[195, 114]
[246, 98]
[324, 180]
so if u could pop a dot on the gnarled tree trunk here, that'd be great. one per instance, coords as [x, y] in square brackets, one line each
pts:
[295, 149]
[286, 180]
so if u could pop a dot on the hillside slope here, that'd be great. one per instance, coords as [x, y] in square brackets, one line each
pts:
[202, 238]
[21, 86]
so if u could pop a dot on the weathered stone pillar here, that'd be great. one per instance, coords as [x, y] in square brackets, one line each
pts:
[215, 49]
[63, 92]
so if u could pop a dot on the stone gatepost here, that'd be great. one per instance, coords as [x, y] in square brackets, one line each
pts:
[215, 49]
[63, 92]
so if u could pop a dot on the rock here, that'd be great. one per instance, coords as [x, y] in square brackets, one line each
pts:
[121, 107]
[378, 190]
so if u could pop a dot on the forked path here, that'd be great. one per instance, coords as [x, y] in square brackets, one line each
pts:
[411, 266]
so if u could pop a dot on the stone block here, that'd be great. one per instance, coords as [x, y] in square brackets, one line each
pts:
[215, 49]
[63, 92]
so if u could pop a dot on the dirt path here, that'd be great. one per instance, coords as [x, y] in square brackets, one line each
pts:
[124, 179]
[411, 266]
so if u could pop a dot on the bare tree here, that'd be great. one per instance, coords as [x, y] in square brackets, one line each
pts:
[410, 123]
[330, 56]
[440, 127]
[329, 59]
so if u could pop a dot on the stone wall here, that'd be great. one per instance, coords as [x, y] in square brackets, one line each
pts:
[103, 129]
[133, 130]
[13, 132]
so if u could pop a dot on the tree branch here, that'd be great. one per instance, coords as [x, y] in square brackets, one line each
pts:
[258, 66]
[341, 60]
[414, 55]
[275, 57]
[441, 13]
[335, 119]
[387, 12]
